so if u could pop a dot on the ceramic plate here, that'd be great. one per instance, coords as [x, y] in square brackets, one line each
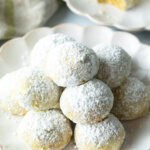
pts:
[15, 54]
[134, 19]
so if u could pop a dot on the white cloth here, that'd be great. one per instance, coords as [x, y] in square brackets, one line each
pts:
[20, 16]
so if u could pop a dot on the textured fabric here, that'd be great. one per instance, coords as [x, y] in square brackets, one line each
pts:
[20, 16]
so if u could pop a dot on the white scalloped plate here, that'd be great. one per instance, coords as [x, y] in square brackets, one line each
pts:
[15, 54]
[134, 19]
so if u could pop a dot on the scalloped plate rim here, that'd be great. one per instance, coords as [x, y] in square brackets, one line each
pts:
[60, 25]
[4, 46]
[99, 22]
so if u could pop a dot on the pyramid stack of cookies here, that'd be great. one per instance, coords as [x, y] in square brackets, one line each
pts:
[67, 87]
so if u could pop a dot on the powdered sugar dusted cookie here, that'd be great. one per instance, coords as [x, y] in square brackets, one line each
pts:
[8, 101]
[41, 50]
[36, 91]
[106, 135]
[72, 64]
[115, 64]
[87, 103]
[45, 130]
[131, 100]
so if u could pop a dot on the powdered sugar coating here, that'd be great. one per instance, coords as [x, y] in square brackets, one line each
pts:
[8, 102]
[44, 46]
[100, 135]
[87, 103]
[115, 64]
[36, 91]
[72, 64]
[131, 99]
[45, 129]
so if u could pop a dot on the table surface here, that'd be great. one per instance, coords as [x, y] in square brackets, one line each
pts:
[64, 15]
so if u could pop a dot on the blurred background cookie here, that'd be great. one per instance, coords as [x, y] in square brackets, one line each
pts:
[121, 4]
[19, 17]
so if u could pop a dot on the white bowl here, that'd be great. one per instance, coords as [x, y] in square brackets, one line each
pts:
[134, 19]
[15, 54]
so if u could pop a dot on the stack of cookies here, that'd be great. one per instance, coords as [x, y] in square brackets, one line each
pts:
[69, 82]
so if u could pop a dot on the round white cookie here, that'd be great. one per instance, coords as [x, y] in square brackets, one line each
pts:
[8, 101]
[45, 130]
[87, 103]
[72, 64]
[106, 135]
[132, 100]
[36, 91]
[115, 64]
[44, 46]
